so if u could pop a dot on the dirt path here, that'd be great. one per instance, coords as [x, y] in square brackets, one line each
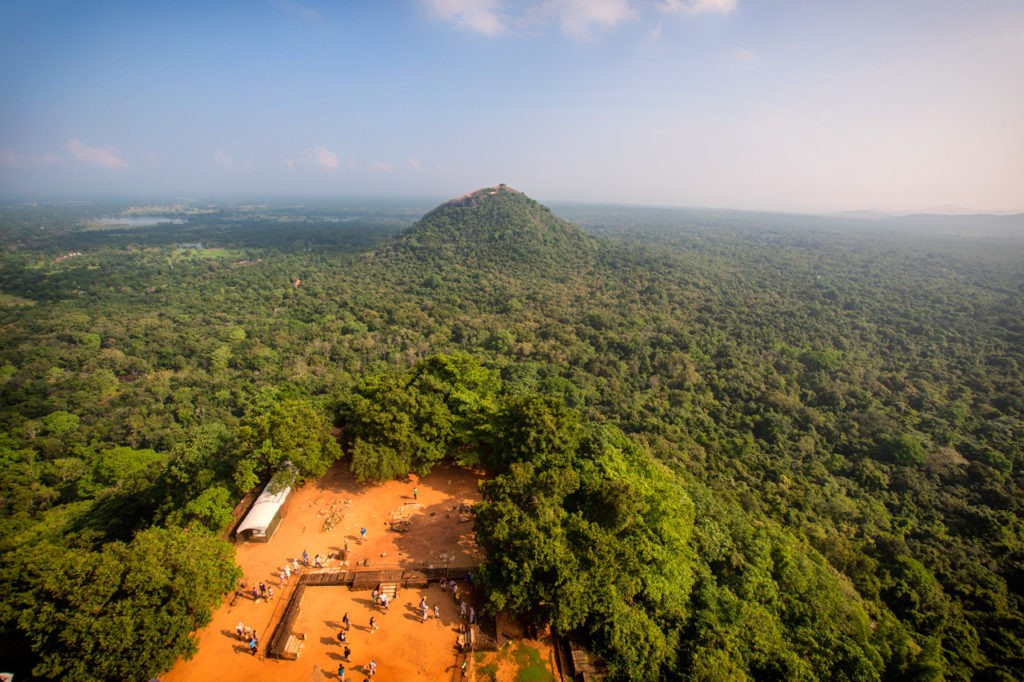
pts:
[404, 647]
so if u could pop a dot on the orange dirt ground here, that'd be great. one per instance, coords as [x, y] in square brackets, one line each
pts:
[403, 647]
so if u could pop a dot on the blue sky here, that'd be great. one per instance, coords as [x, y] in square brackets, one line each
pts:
[780, 105]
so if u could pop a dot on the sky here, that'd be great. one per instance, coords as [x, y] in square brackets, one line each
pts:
[795, 105]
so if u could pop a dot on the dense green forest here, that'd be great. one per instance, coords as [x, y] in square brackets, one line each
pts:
[722, 445]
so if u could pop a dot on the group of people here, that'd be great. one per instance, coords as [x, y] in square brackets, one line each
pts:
[342, 637]
[371, 669]
[262, 591]
[381, 599]
[248, 635]
[466, 612]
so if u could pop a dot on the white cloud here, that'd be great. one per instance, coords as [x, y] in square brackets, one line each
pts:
[481, 16]
[577, 18]
[13, 159]
[324, 157]
[103, 156]
[741, 54]
[413, 163]
[382, 166]
[700, 6]
[223, 159]
[580, 17]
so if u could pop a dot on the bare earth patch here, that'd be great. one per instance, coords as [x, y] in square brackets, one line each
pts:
[319, 518]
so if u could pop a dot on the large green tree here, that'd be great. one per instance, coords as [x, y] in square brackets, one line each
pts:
[125, 612]
[289, 438]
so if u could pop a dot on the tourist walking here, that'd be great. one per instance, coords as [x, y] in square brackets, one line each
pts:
[341, 672]
[305, 557]
[347, 652]
[344, 621]
[373, 668]
[373, 625]
[437, 613]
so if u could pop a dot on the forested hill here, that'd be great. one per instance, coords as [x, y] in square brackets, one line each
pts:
[496, 228]
[726, 449]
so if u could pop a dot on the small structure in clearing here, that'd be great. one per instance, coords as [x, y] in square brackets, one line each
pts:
[262, 520]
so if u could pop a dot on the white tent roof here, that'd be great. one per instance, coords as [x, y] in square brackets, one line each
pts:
[262, 512]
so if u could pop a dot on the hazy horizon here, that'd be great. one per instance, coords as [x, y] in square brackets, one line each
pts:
[730, 104]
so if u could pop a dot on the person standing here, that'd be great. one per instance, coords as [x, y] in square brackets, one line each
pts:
[373, 667]
[415, 493]
[373, 624]
[437, 612]
[270, 594]
[362, 535]
[239, 629]
[341, 672]
[347, 652]
[345, 622]
[305, 557]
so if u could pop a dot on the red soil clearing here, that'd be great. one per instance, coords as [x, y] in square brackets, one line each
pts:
[404, 647]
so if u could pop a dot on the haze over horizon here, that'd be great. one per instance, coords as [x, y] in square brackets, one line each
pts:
[785, 106]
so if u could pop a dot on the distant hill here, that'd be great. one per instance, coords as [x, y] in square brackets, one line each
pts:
[967, 225]
[496, 227]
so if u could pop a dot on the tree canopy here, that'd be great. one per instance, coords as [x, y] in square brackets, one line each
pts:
[833, 408]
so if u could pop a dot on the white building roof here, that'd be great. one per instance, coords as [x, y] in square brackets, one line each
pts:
[262, 512]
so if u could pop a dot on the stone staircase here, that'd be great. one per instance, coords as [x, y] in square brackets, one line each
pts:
[390, 589]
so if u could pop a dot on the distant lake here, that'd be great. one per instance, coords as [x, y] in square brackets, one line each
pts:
[138, 221]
